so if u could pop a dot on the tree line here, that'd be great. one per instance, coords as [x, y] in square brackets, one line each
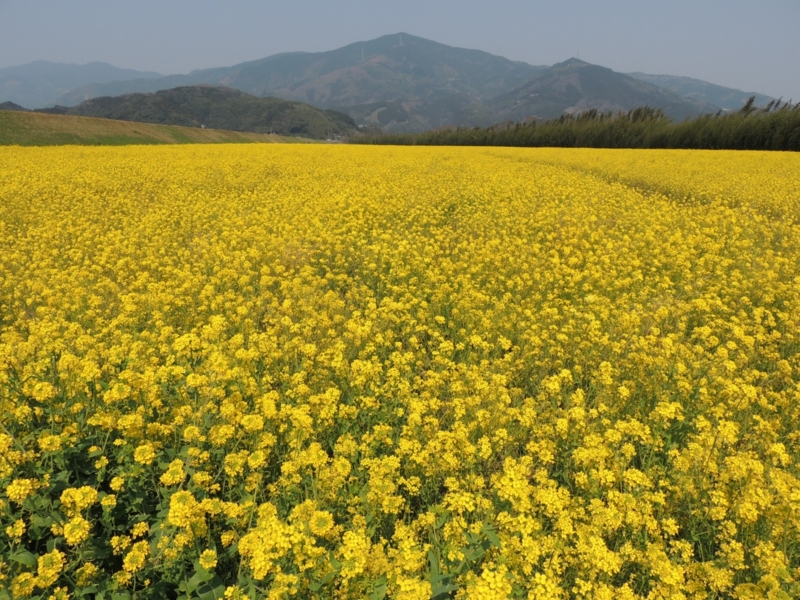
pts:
[773, 127]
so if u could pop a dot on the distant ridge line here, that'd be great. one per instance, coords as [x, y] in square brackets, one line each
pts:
[404, 83]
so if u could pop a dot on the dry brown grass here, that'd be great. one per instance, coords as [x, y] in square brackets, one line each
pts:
[40, 129]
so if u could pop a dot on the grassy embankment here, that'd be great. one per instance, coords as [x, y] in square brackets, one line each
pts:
[36, 129]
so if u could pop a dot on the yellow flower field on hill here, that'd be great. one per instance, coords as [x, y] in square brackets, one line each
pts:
[362, 372]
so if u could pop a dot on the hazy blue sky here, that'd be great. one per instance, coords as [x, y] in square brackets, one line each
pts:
[739, 43]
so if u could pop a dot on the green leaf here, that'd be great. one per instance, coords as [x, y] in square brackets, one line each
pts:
[121, 596]
[23, 557]
[92, 589]
[199, 569]
[95, 552]
[212, 590]
[40, 527]
[41, 520]
[328, 578]
[251, 588]
[363, 491]
[441, 578]
[441, 520]
[473, 538]
[198, 579]
[443, 590]
[59, 482]
[379, 589]
[434, 562]
[317, 585]
[491, 535]
[473, 553]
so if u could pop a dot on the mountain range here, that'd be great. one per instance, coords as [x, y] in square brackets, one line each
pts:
[42, 83]
[702, 91]
[398, 82]
[576, 86]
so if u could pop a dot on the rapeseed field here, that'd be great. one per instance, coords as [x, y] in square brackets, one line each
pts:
[359, 372]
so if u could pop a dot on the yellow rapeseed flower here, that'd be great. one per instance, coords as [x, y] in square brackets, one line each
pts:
[76, 531]
[549, 373]
[208, 559]
[50, 566]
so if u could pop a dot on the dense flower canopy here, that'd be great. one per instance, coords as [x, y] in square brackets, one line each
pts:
[337, 371]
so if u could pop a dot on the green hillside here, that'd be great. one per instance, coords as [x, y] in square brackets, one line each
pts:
[218, 108]
[38, 129]
[11, 106]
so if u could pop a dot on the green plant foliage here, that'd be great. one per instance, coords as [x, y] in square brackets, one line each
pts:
[774, 127]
